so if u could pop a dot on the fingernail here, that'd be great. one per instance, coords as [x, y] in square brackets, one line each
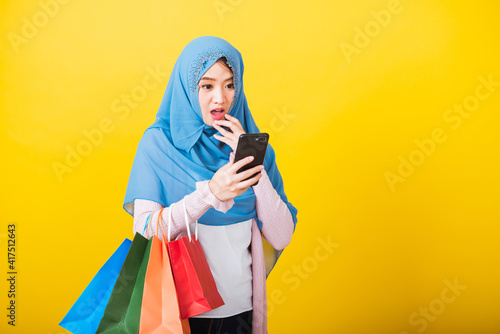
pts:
[250, 158]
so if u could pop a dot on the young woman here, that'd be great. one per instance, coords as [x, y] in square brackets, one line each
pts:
[186, 160]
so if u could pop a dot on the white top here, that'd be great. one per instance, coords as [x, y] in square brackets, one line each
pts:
[227, 251]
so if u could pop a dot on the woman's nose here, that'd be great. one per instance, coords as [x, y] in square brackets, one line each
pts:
[218, 96]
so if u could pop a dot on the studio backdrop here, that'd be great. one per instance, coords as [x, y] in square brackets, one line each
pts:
[383, 114]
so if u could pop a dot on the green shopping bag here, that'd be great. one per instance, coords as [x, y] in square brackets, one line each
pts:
[123, 312]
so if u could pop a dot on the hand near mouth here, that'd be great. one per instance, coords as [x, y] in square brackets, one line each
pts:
[232, 135]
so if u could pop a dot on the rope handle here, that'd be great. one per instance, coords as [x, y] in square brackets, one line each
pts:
[187, 223]
[158, 223]
[169, 223]
[146, 225]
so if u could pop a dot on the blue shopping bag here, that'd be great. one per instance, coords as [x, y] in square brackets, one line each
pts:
[85, 315]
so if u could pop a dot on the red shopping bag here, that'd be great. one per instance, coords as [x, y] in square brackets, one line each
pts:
[160, 308]
[194, 282]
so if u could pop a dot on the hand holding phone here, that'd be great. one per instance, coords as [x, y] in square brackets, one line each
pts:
[254, 144]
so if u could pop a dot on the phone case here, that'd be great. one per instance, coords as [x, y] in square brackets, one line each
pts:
[254, 144]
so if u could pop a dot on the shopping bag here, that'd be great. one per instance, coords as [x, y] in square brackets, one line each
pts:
[85, 315]
[133, 315]
[120, 315]
[160, 309]
[194, 282]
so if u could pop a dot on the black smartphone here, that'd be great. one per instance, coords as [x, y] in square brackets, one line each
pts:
[254, 144]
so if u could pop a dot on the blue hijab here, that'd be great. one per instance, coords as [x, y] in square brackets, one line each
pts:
[179, 149]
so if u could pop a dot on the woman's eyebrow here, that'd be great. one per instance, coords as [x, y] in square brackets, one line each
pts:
[212, 79]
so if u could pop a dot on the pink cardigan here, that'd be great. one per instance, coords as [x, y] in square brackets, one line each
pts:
[277, 229]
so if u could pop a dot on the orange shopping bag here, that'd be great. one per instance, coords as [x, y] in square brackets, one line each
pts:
[160, 309]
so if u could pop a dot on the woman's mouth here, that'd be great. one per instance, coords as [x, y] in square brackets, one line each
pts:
[217, 114]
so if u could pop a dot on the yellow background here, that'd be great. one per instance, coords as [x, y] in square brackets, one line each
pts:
[339, 122]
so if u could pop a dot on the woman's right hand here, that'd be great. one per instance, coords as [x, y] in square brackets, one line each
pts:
[226, 184]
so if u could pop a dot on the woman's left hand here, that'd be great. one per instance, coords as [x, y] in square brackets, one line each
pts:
[230, 138]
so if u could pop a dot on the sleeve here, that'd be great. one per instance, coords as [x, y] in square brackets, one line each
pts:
[272, 211]
[197, 203]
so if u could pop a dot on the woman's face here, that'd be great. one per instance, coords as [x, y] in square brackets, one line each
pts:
[216, 93]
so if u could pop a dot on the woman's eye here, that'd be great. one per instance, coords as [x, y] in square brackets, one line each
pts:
[230, 86]
[206, 86]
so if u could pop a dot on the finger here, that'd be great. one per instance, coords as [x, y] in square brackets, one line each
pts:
[233, 119]
[223, 139]
[230, 125]
[243, 175]
[247, 183]
[223, 131]
[240, 163]
[226, 166]
[229, 141]
[235, 126]
[224, 122]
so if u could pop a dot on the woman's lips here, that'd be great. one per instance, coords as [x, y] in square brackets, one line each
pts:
[217, 114]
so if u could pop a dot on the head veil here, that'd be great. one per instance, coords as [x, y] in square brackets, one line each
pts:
[179, 149]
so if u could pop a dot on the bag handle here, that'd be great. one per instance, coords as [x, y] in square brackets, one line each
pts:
[158, 223]
[187, 223]
[146, 225]
[169, 222]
